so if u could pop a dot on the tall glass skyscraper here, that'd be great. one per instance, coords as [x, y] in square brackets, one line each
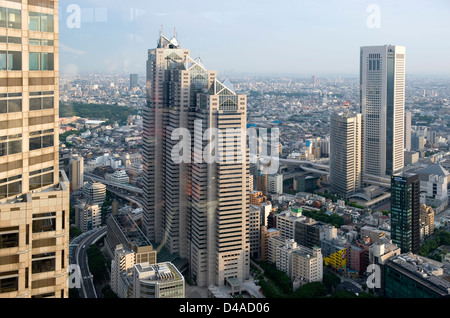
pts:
[196, 207]
[405, 212]
[34, 194]
[382, 84]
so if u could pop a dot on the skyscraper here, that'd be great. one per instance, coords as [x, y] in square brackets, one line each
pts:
[345, 154]
[133, 81]
[196, 207]
[34, 194]
[77, 173]
[405, 212]
[408, 131]
[382, 82]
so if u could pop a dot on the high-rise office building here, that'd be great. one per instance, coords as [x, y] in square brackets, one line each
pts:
[408, 117]
[346, 154]
[382, 82]
[95, 193]
[193, 207]
[76, 173]
[133, 81]
[405, 212]
[34, 193]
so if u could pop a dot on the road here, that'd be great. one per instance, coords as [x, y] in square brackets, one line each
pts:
[79, 256]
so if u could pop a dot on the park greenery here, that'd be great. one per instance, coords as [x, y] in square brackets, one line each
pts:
[428, 248]
[277, 284]
[113, 113]
[321, 216]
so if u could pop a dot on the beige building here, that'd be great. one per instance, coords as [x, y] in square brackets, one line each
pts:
[373, 233]
[122, 271]
[426, 221]
[197, 204]
[286, 222]
[345, 154]
[273, 243]
[266, 234]
[307, 264]
[255, 231]
[94, 193]
[76, 173]
[34, 194]
[162, 280]
[87, 217]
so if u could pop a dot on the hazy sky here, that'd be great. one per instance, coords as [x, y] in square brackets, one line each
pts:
[303, 37]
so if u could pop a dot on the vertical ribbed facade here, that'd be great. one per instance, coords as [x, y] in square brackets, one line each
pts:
[34, 194]
[345, 154]
[382, 72]
[196, 208]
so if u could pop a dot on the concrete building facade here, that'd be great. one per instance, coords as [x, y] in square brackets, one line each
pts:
[382, 100]
[34, 193]
[194, 206]
[346, 154]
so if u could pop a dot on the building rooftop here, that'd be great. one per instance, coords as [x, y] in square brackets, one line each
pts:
[426, 270]
[158, 272]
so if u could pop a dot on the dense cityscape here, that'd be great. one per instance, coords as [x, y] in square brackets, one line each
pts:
[118, 185]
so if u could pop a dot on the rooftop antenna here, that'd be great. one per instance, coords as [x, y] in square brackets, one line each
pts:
[175, 32]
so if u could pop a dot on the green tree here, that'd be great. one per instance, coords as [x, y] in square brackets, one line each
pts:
[74, 232]
[310, 290]
[330, 281]
[97, 263]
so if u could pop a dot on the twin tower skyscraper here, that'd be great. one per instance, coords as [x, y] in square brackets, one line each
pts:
[196, 208]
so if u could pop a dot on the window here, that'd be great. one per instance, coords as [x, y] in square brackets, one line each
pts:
[9, 237]
[41, 100]
[44, 222]
[41, 42]
[41, 139]
[10, 39]
[10, 103]
[10, 18]
[10, 187]
[9, 282]
[40, 22]
[41, 178]
[10, 61]
[40, 120]
[10, 145]
[42, 263]
[41, 61]
[41, 3]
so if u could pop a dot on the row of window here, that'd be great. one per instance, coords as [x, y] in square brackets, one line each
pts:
[18, 40]
[13, 185]
[12, 102]
[12, 19]
[38, 61]
[38, 140]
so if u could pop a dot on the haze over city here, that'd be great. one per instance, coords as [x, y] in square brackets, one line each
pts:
[225, 151]
[253, 36]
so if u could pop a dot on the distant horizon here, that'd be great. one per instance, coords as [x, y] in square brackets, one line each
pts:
[254, 36]
[303, 76]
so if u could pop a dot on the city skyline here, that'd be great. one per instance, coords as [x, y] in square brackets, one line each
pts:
[318, 39]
